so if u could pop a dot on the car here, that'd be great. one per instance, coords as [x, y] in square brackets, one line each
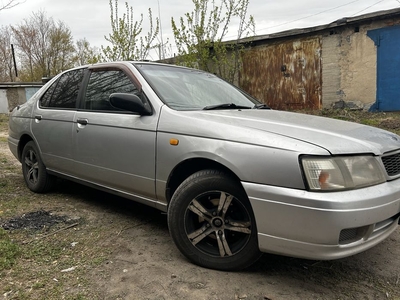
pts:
[235, 178]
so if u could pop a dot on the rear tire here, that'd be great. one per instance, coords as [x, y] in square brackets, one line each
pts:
[212, 223]
[35, 175]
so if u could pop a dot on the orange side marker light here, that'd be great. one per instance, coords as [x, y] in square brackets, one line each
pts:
[174, 142]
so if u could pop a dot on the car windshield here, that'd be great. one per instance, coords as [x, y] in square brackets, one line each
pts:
[189, 89]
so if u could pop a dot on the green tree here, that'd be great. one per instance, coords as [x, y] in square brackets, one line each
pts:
[126, 42]
[201, 36]
[85, 54]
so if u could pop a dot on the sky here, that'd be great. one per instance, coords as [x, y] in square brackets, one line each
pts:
[90, 19]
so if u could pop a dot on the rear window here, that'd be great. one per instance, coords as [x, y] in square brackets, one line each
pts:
[63, 93]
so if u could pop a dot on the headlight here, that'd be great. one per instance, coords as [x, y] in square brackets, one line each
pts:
[339, 173]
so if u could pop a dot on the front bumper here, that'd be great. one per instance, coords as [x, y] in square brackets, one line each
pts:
[323, 226]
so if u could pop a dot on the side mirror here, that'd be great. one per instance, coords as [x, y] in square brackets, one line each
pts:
[131, 103]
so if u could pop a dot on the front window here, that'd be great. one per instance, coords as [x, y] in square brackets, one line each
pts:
[102, 84]
[189, 89]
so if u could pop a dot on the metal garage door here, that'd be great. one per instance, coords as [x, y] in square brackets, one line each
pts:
[286, 75]
[387, 41]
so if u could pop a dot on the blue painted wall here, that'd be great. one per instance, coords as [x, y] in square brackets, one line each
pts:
[387, 41]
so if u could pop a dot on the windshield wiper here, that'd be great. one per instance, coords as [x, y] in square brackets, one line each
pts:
[261, 106]
[226, 106]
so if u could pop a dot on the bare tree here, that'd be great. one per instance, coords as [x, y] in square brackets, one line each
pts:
[6, 61]
[46, 48]
[25, 37]
[60, 50]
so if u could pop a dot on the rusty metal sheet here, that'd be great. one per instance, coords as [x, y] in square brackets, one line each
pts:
[284, 75]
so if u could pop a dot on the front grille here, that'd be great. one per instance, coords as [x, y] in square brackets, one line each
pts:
[392, 164]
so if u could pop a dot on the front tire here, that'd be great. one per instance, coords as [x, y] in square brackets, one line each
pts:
[34, 171]
[211, 222]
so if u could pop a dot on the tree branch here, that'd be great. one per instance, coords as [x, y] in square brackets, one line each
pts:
[9, 4]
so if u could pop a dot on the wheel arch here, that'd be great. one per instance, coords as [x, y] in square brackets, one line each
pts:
[24, 139]
[190, 166]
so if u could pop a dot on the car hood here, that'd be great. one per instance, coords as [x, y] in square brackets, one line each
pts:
[286, 130]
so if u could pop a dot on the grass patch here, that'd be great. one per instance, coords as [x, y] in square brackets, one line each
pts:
[43, 253]
[4, 122]
[370, 122]
[9, 251]
[39, 269]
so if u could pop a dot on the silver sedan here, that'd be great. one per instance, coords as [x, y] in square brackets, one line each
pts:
[235, 178]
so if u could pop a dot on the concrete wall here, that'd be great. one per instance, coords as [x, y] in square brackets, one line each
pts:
[331, 73]
[349, 68]
[358, 64]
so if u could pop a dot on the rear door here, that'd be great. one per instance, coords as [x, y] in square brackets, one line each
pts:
[114, 148]
[52, 124]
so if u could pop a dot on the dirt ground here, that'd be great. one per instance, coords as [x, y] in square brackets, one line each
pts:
[111, 248]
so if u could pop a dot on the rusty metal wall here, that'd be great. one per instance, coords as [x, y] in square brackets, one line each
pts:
[284, 75]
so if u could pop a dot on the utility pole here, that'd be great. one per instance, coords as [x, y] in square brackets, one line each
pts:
[15, 64]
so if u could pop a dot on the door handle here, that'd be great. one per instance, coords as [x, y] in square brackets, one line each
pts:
[38, 117]
[82, 121]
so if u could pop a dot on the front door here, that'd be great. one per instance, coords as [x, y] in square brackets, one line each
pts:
[114, 148]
